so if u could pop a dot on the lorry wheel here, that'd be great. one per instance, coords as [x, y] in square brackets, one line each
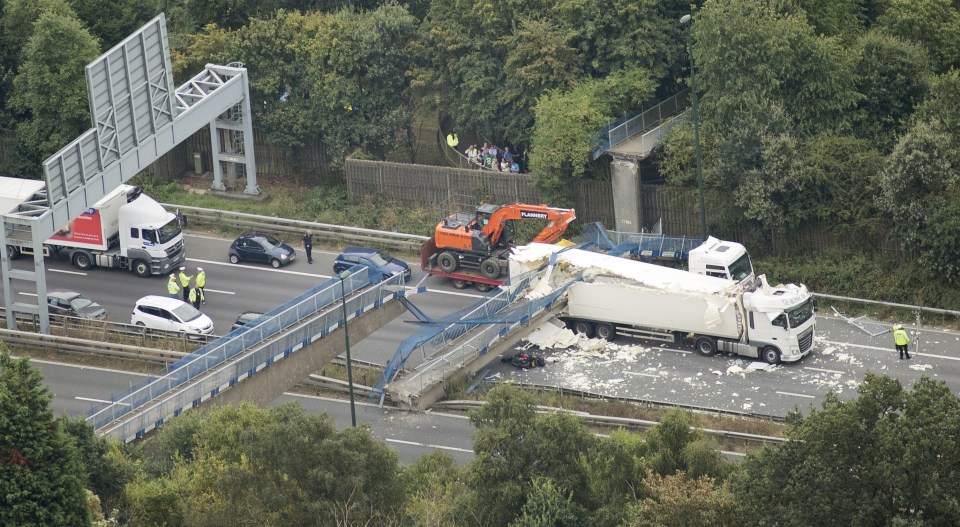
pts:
[490, 268]
[582, 327]
[141, 268]
[605, 332]
[460, 284]
[447, 262]
[483, 288]
[13, 252]
[770, 355]
[83, 261]
[706, 346]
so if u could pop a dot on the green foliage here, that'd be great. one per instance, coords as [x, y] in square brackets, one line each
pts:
[917, 185]
[678, 501]
[897, 452]
[41, 476]
[111, 21]
[933, 24]
[547, 506]
[280, 466]
[436, 492]
[892, 77]
[50, 87]
[107, 466]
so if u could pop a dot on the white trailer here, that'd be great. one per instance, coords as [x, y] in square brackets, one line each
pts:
[626, 297]
[125, 229]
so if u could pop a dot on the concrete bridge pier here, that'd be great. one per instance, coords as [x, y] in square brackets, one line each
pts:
[625, 179]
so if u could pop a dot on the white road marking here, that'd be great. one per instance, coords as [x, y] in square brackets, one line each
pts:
[99, 401]
[644, 374]
[824, 370]
[441, 447]
[26, 294]
[67, 272]
[84, 367]
[453, 293]
[264, 267]
[890, 350]
[798, 395]
[206, 290]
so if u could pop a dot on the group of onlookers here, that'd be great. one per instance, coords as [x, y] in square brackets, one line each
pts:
[497, 159]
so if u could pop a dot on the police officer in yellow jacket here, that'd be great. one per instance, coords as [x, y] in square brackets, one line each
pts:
[201, 282]
[185, 283]
[172, 288]
[902, 340]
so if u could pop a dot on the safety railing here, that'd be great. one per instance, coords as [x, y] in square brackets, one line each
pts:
[645, 121]
[235, 343]
[281, 227]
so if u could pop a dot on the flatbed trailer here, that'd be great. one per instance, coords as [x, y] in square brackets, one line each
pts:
[462, 277]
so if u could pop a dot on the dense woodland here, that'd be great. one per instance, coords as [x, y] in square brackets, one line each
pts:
[836, 112]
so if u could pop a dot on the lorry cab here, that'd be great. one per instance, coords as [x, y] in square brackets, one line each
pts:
[780, 320]
[722, 259]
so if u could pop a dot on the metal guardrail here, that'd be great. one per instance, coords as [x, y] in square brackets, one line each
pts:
[88, 347]
[281, 227]
[623, 422]
[645, 121]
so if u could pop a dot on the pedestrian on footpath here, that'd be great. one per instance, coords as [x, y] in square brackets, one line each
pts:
[173, 289]
[201, 282]
[902, 340]
[196, 296]
[308, 246]
[185, 283]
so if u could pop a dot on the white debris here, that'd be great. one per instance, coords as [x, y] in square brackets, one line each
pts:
[716, 372]
[921, 367]
[758, 366]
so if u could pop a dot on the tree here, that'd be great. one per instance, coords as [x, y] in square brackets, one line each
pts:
[916, 189]
[125, 17]
[41, 478]
[897, 451]
[933, 24]
[50, 87]
[678, 500]
[547, 506]
[892, 77]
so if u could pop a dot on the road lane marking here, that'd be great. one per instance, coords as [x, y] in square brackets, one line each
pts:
[644, 374]
[85, 367]
[100, 401]
[824, 370]
[798, 395]
[256, 268]
[67, 272]
[205, 291]
[441, 447]
[878, 348]
[26, 294]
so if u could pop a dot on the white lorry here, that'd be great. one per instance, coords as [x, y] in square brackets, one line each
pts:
[125, 229]
[618, 296]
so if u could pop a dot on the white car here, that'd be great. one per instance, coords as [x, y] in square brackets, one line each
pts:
[163, 312]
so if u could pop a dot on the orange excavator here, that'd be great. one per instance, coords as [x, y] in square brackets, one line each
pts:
[482, 240]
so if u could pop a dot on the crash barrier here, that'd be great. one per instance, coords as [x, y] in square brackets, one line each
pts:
[79, 346]
[627, 422]
[280, 227]
[497, 322]
[105, 331]
[233, 346]
[620, 130]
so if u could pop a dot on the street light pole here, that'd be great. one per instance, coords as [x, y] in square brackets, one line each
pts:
[686, 20]
[346, 339]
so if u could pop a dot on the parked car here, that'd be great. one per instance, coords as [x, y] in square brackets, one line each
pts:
[388, 265]
[245, 318]
[73, 304]
[262, 248]
[171, 314]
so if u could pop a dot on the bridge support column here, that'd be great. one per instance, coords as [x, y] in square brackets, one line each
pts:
[625, 178]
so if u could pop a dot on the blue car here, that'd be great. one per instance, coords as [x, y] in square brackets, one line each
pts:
[262, 248]
[388, 265]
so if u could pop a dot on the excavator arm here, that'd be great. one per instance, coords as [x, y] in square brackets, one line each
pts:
[559, 220]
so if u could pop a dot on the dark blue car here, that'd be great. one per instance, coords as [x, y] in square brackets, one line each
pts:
[263, 248]
[387, 264]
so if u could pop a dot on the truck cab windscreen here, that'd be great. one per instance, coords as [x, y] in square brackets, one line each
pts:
[801, 313]
[741, 268]
[169, 231]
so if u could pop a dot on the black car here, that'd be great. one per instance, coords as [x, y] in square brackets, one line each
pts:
[388, 265]
[245, 318]
[262, 248]
[73, 304]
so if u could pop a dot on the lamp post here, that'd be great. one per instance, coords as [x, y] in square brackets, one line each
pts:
[686, 20]
[346, 339]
